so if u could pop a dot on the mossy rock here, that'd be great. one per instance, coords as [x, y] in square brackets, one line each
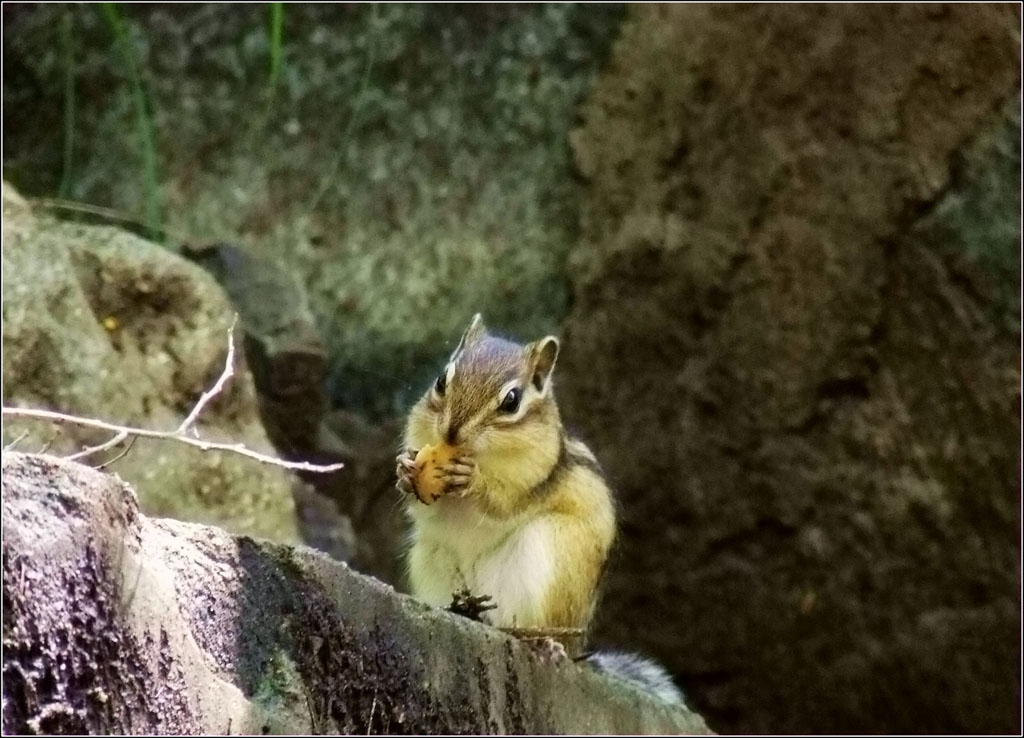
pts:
[100, 323]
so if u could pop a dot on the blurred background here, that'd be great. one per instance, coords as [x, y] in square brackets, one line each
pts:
[781, 243]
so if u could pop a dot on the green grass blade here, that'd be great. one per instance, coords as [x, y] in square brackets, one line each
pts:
[143, 120]
[357, 110]
[276, 25]
[67, 42]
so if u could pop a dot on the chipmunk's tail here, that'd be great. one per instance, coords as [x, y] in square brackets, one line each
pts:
[648, 675]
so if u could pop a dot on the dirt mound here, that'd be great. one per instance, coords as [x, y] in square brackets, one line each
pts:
[801, 393]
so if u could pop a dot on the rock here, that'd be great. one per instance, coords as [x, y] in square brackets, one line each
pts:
[282, 347]
[289, 364]
[117, 623]
[808, 411]
[100, 323]
[978, 217]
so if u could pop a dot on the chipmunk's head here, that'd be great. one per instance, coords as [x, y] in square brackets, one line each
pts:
[494, 397]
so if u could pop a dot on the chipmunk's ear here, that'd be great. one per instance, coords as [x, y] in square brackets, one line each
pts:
[474, 333]
[542, 356]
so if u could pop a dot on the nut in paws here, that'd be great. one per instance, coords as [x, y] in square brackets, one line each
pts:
[437, 471]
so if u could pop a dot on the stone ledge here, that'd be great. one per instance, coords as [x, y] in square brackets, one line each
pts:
[116, 623]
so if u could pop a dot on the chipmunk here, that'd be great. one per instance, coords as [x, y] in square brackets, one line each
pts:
[525, 517]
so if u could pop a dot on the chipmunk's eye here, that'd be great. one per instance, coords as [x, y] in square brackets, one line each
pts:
[510, 403]
[442, 382]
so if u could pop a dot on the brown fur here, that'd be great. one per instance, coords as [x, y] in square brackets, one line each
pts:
[528, 477]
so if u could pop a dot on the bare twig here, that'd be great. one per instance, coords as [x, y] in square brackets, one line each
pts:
[49, 441]
[121, 431]
[309, 707]
[10, 446]
[90, 450]
[229, 371]
[235, 448]
[51, 203]
[373, 709]
[189, 421]
[105, 464]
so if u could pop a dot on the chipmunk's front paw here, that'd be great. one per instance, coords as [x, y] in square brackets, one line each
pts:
[470, 605]
[457, 475]
[405, 470]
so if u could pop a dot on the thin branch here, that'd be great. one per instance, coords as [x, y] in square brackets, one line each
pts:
[105, 464]
[50, 440]
[235, 448]
[90, 450]
[186, 424]
[51, 203]
[10, 446]
[373, 709]
[229, 371]
[121, 431]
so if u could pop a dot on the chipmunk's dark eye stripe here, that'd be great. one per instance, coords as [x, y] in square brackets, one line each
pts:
[442, 382]
[510, 403]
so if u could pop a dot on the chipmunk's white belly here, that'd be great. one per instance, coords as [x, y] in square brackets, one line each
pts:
[455, 547]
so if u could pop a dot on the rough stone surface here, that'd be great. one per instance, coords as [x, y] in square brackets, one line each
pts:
[115, 623]
[100, 323]
[781, 353]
